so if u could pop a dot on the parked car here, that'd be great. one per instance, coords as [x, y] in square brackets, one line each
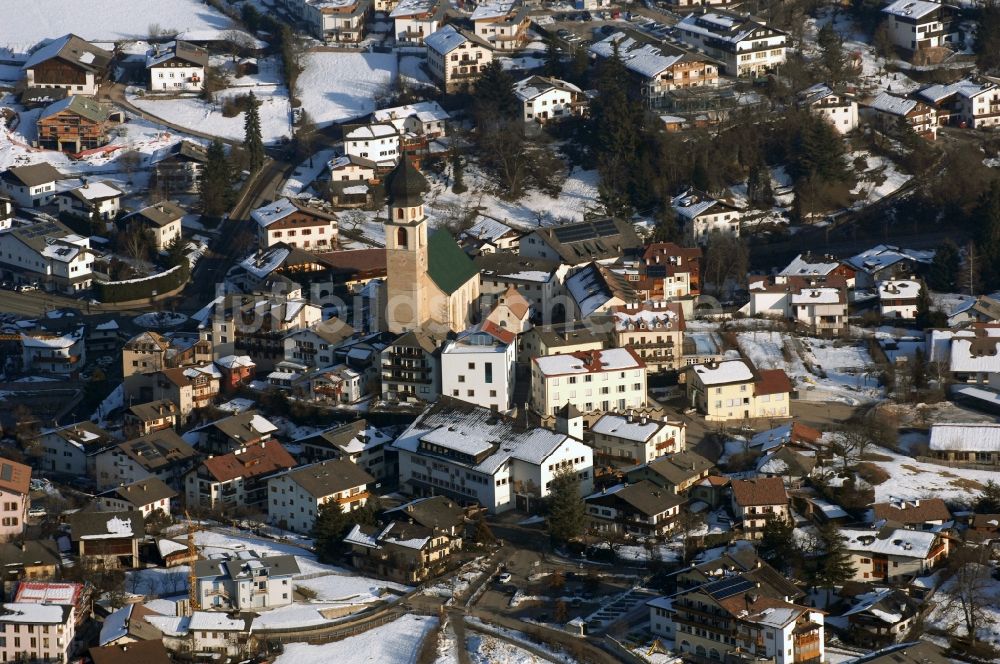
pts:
[26, 288]
[504, 577]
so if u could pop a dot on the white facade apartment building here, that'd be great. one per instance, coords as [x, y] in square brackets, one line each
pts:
[890, 556]
[630, 440]
[70, 449]
[30, 186]
[378, 142]
[425, 118]
[101, 197]
[543, 99]
[48, 254]
[746, 46]
[62, 355]
[837, 108]
[921, 117]
[917, 24]
[598, 381]
[294, 225]
[296, 496]
[36, 632]
[176, 67]
[734, 390]
[473, 454]
[899, 298]
[703, 215]
[655, 331]
[413, 20]
[478, 366]
[456, 57]
[245, 581]
[501, 23]
[334, 21]
[966, 102]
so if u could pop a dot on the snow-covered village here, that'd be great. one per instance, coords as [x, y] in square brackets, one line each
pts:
[500, 331]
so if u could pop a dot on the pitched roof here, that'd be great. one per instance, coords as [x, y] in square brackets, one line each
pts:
[30, 553]
[143, 492]
[85, 107]
[405, 185]
[180, 50]
[153, 410]
[432, 512]
[72, 49]
[158, 449]
[447, 265]
[513, 300]
[254, 460]
[772, 381]
[35, 174]
[450, 37]
[161, 214]
[759, 491]
[912, 511]
[590, 240]
[331, 476]
[14, 477]
[644, 496]
[677, 468]
[147, 652]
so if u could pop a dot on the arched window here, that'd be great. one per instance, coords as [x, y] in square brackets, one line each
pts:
[700, 651]
[400, 213]
[401, 240]
[714, 654]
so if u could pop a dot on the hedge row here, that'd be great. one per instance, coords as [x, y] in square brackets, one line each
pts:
[139, 289]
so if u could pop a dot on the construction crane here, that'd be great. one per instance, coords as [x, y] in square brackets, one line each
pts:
[192, 558]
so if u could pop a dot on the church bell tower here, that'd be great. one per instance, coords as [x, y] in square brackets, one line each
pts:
[406, 249]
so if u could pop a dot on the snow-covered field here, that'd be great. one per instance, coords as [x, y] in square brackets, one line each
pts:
[348, 588]
[487, 649]
[845, 365]
[947, 613]
[878, 180]
[340, 86]
[199, 115]
[25, 23]
[911, 479]
[397, 642]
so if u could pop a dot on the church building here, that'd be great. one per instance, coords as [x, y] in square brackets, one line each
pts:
[431, 283]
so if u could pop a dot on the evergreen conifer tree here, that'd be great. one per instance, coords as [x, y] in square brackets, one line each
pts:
[567, 513]
[253, 142]
[215, 188]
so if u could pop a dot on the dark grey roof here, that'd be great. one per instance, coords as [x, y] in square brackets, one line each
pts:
[643, 496]
[915, 652]
[143, 492]
[31, 552]
[87, 525]
[34, 175]
[678, 467]
[406, 185]
[327, 477]
[433, 512]
[236, 566]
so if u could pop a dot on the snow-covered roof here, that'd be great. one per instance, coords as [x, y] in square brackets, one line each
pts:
[425, 111]
[91, 191]
[889, 103]
[535, 86]
[261, 266]
[628, 427]
[488, 228]
[358, 536]
[896, 542]
[723, 27]
[645, 59]
[947, 437]
[911, 8]
[445, 40]
[371, 131]
[807, 265]
[171, 625]
[116, 528]
[818, 296]
[272, 212]
[413, 8]
[215, 621]
[460, 425]
[56, 343]
[975, 355]
[115, 626]
[650, 318]
[31, 613]
[610, 359]
[492, 9]
[722, 373]
[692, 204]
[894, 289]
[963, 88]
[883, 255]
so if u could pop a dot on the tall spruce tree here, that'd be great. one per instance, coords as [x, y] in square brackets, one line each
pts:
[617, 126]
[494, 98]
[777, 544]
[216, 188]
[943, 273]
[567, 513]
[253, 142]
[834, 564]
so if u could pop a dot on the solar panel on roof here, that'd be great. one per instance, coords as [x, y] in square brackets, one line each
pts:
[724, 588]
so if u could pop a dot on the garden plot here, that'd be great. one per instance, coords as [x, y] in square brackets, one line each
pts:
[910, 479]
[196, 114]
[819, 369]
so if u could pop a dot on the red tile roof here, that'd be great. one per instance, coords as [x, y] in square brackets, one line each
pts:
[772, 381]
[254, 460]
[760, 491]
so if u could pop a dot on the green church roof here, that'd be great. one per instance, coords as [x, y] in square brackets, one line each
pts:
[447, 264]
